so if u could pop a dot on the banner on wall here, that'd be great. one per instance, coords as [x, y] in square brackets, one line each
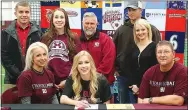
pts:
[91, 4]
[169, 17]
[175, 20]
[177, 39]
[112, 15]
[180, 5]
[156, 17]
[74, 17]
[46, 11]
[112, 18]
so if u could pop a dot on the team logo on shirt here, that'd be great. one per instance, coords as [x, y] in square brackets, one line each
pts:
[44, 91]
[58, 49]
[162, 89]
[96, 44]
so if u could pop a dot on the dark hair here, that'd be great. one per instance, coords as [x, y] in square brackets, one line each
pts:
[48, 37]
[164, 42]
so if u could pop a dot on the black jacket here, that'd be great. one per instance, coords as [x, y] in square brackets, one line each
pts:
[11, 55]
[124, 42]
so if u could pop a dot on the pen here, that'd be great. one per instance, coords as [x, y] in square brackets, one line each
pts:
[88, 105]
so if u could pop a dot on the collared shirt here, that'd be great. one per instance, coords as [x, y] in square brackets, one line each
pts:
[22, 35]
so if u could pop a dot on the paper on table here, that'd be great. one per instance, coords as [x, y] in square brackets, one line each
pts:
[92, 106]
[120, 106]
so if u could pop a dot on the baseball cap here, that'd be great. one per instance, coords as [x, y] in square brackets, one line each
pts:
[134, 4]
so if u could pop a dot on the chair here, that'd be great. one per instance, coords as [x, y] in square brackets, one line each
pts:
[10, 96]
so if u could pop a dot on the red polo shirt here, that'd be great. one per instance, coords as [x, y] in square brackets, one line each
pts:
[22, 35]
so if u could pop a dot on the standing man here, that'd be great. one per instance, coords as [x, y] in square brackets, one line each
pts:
[99, 45]
[14, 43]
[124, 42]
[166, 82]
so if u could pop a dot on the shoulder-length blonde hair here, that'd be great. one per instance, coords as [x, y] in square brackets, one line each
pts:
[144, 23]
[77, 87]
[29, 54]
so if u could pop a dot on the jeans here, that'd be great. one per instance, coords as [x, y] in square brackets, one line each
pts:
[125, 93]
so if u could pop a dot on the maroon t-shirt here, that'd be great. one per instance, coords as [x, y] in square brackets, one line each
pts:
[60, 62]
[156, 83]
[40, 87]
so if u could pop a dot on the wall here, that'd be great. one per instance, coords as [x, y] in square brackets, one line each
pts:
[168, 17]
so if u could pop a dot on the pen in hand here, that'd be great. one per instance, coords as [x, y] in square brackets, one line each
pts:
[86, 102]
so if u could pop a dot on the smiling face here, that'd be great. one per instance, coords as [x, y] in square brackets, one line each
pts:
[141, 32]
[89, 25]
[84, 66]
[165, 55]
[59, 19]
[23, 14]
[40, 58]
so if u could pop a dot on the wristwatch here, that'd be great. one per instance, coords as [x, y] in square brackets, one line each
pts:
[150, 100]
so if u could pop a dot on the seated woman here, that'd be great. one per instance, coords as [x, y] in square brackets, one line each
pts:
[36, 83]
[85, 85]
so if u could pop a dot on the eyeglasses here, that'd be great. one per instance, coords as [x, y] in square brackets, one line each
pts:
[164, 52]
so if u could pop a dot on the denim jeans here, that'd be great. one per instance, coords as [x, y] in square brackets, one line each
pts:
[125, 93]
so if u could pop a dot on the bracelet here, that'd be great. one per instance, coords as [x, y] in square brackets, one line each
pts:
[150, 100]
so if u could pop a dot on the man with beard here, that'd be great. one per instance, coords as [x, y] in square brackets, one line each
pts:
[99, 45]
[14, 43]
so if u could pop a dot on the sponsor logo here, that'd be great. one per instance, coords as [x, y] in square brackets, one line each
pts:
[176, 15]
[69, 1]
[155, 14]
[72, 13]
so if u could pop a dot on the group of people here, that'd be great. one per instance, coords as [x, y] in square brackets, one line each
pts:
[61, 67]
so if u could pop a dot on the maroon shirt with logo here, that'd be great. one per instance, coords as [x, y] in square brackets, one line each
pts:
[156, 83]
[60, 62]
[40, 87]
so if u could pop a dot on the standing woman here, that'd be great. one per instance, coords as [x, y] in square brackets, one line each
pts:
[62, 44]
[143, 56]
[36, 84]
[85, 85]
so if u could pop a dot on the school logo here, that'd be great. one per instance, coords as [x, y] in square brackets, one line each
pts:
[58, 49]
[44, 91]
[96, 44]
[113, 17]
[162, 89]
[48, 14]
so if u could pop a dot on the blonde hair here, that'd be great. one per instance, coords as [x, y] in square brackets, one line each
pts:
[22, 3]
[144, 23]
[29, 54]
[77, 87]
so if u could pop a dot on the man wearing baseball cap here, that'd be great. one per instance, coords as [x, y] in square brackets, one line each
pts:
[124, 42]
